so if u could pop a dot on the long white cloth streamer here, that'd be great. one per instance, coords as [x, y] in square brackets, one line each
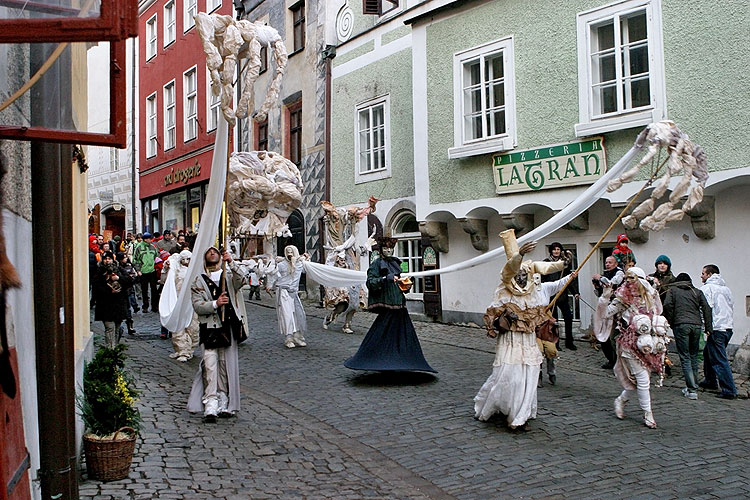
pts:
[338, 277]
[181, 314]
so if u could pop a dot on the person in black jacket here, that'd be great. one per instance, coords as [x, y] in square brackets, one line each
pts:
[556, 253]
[685, 307]
[111, 292]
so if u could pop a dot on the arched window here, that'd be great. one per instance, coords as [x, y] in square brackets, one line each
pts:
[409, 248]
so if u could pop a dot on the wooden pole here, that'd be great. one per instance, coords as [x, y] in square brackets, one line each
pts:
[225, 221]
[609, 229]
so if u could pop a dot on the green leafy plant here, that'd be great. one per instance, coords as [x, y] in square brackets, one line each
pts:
[108, 399]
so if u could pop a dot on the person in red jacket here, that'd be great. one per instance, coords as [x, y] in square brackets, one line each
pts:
[622, 251]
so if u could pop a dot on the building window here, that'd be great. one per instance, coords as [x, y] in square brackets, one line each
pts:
[261, 136]
[151, 125]
[298, 26]
[191, 104]
[151, 37]
[295, 134]
[263, 60]
[378, 7]
[191, 9]
[484, 100]
[213, 105]
[169, 116]
[173, 211]
[409, 249]
[620, 67]
[372, 141]
[212, 5]
[169, 23]
[114, 159]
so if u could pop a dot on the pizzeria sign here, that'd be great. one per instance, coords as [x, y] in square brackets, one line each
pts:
[546, 167]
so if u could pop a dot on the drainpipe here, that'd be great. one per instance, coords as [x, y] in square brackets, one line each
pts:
[51, 194]
[328, 54]
[133, 171]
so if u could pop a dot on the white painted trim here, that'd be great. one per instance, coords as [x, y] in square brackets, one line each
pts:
[165, 42]
[144, 6]
[164, 117]
[380, 52]
[185, 138]
[588, 125]
[420, 116]
[156, 34]
[504, 142]
[425, 8]
[209, 96]
[360, 177]
[156, 125]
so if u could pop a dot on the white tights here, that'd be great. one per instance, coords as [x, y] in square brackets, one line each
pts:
[642, 379]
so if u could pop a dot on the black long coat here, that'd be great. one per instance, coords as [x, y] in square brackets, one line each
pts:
[111, 305]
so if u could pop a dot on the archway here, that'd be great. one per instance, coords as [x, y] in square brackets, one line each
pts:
[115, 220]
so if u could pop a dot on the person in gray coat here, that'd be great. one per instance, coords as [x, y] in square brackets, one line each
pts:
[688, 312]
[223, 324]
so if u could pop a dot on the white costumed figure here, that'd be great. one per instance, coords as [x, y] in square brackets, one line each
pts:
[185, 340]
[520, 298]
[641, 342]
[343, 252]
[291, 314]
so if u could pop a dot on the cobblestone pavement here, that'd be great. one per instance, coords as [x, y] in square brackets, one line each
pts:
[311, 429]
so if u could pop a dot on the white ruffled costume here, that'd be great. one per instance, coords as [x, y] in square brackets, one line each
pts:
[511, 389]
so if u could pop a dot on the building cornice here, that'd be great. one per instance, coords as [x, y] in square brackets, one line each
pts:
[144, 5]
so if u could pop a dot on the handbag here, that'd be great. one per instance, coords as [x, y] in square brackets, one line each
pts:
[548, 331]
[214, 338]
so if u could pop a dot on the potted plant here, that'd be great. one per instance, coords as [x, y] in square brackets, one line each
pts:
[107, 406]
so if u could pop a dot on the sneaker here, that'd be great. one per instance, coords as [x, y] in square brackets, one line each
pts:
[709, 387]
[689, 394]
[300, 341]
[346, 329]
[290, 344]
[619, 408]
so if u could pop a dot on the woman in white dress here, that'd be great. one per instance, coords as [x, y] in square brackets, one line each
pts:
[511, 389]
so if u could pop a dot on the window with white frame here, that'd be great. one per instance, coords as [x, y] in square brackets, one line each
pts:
[484, 106]
[190, 103]
[620, 67]
[213, 105]
[169, 116]
[409, 249]
[151, 37]
[191, 9]
[151, 125]
[170, 30]
[212, 5]
[372, 141]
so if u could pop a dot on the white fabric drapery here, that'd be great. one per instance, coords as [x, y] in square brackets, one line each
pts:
[181, 313]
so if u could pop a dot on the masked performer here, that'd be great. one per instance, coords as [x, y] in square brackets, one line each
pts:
[641, 343]
[520, 301]
[216, 387]
[186, 340]
[391, 344]
[291, 314]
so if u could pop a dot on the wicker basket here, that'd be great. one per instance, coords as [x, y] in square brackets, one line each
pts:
[109, 460]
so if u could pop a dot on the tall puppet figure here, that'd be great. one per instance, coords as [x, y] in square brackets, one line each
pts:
[391, 344]
[519, 306]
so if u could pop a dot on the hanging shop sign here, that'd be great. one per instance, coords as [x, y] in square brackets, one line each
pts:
[546, 167]
[182, 175]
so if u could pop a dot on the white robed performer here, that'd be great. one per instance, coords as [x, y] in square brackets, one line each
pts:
[222, 317]
[184, 340]
[291, 314]
[641, 343]
[511, 389]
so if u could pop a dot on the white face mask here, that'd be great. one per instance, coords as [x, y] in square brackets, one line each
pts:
[386, 251]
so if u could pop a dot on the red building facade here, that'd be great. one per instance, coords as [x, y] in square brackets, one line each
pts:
[178, 113]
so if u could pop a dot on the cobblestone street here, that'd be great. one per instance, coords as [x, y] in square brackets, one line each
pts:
[310, 428]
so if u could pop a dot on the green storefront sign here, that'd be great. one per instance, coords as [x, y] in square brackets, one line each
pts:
[545, 167]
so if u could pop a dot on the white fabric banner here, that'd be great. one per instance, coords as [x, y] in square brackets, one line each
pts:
[181, 314]
[334, 276]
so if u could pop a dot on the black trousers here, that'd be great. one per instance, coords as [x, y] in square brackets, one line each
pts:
[148, 282]
[563, 303]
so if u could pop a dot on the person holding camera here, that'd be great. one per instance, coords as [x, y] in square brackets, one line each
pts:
[110, 289]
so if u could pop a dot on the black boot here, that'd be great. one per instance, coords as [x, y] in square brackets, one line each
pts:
[131, 330]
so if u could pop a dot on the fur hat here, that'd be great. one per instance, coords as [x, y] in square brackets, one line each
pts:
[555, 244]
[387, 242]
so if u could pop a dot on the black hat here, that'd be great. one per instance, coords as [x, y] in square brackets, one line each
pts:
[108, 254]
[555, 244]
[683, 277]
